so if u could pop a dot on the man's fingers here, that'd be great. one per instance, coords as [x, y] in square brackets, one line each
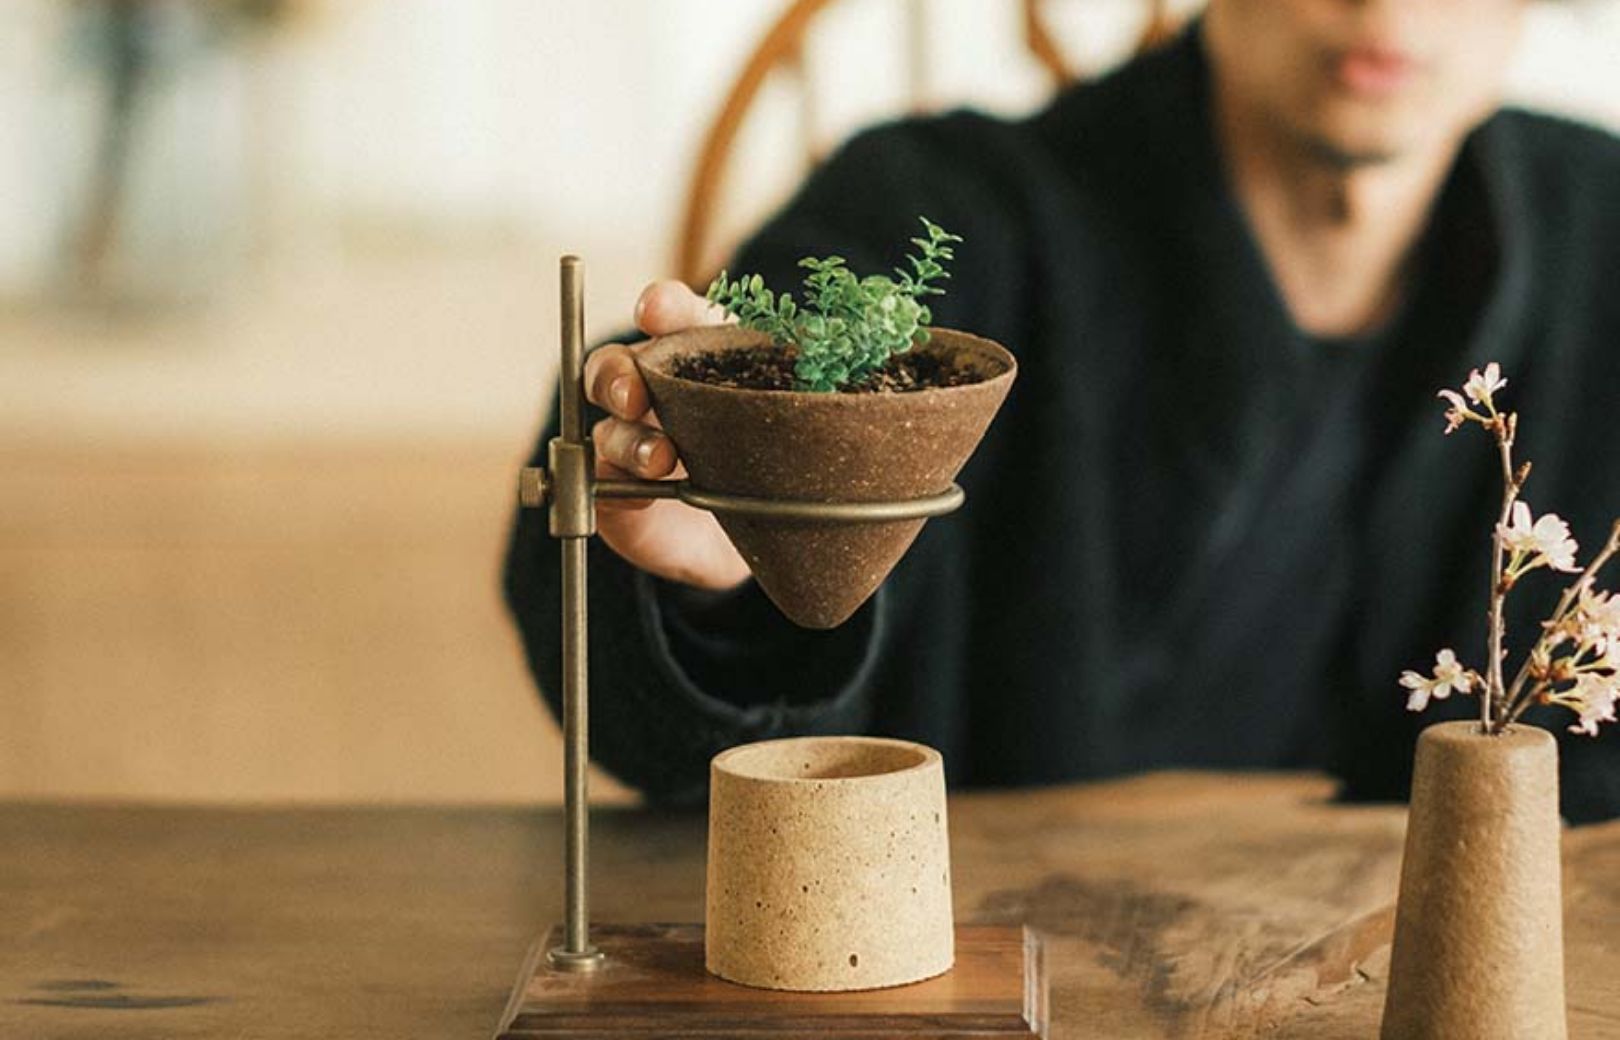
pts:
[670, 305]
[613, 382]
[637, 449]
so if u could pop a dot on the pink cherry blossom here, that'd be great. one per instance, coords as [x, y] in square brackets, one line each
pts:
[1593, 698]
[1543, 541]
[1480, 387]
[1458, 413]
[1449, 674]
[1596, 621]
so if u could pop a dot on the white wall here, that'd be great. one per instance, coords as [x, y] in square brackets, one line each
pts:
[570, 122]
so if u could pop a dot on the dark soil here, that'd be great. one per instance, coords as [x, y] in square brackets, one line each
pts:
[771, 368]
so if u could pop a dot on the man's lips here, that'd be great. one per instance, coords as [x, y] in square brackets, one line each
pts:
[1373, 71]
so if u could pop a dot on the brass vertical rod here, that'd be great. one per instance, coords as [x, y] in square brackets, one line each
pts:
[576, 753]
[573, 522]
[572, 374]
[575, 653]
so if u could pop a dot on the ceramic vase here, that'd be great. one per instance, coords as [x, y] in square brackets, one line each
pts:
[823, 447]
[829, 865]
[1479, 951]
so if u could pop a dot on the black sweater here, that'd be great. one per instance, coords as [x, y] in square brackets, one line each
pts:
[1194, 537]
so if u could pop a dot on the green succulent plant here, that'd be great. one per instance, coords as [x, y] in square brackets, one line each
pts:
[847, 327]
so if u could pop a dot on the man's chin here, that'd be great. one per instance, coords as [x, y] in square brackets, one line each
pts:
[1347, 155]
[1356, 139]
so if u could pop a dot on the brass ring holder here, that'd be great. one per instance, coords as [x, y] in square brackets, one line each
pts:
[568, 486]
[534, 488]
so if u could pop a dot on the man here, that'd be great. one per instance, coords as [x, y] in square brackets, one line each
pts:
[1216, 517]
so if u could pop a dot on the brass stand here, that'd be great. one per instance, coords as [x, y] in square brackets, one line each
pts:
[569, 486]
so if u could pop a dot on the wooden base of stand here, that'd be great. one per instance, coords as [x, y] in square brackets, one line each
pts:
[653, 984]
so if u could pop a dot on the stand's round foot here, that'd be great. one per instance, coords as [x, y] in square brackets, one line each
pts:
[561, 959]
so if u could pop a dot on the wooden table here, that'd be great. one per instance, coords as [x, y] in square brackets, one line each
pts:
[1188, 906]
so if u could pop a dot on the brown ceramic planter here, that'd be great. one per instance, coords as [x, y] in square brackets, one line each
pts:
[1479, 952]
[829, 447]
[829, 865]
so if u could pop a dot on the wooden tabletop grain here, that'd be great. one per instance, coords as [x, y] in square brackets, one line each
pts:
[1178, 905]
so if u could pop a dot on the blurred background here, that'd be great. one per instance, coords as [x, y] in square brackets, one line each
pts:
[278, 319]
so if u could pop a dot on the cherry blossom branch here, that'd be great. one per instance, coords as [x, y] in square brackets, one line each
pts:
[1492, 701]
[1585, 618]
[1518, 702]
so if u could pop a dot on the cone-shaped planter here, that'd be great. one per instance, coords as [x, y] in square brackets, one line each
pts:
[829, 865]
[1479, 951]
[823, 447]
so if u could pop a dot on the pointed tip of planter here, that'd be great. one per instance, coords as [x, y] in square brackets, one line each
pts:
[820, 574]
[823, 448]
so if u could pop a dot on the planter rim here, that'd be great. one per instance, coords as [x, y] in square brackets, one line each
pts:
[1518, 735]
[753, 762]
[660, 351]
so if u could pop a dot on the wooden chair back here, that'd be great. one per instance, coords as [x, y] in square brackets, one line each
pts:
[783, 49]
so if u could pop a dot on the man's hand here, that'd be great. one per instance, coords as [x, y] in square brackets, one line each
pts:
[661, 536]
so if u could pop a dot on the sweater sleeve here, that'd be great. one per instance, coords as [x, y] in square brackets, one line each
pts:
[679, 674]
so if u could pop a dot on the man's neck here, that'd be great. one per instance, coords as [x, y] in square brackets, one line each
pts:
[1339, 239]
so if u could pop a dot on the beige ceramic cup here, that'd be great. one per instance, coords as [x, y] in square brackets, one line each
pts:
[829, 864]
